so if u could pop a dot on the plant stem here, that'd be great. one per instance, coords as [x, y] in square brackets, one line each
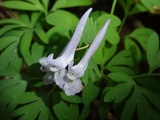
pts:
[146, 75]
[123, 21]
[81, 48]
[113, 6]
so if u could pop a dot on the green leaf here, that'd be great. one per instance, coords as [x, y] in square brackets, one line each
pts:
[6, 41]
[37, 52]
[153, 97]
[85, 77]
[121, 62]
[145, 107]
[141, 36]
[31, 110]
[74, 108]
[129, 107]
[137, 8]
[89, 32]
[155, 2]
[109, 51]
[91, 72]
[147, 4]
[85, 112]
[115, 21]
[10, 72]
[11, 92]
[120, 77]
[62, 111]
[62, 18]
[42, 35]
[150, 82]
[6, 56]
[90, 92]
[118, 93]
[8, 28]
[21, 5]
[122, 58]
[45, 3]
[16, 61]
[35, 18]
[70, 3]
[131, 45]
[94, 68]
[72, 99]
[111, 35]
[29, 97]
[13, 21]
[153, 52]
[25, 46]
[55, 33]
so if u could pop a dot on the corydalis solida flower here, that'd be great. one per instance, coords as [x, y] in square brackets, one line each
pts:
[53, 66]
[69, 80]
[79, 69]
[76, 72]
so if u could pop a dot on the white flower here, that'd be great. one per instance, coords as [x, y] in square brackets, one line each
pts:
[66, 83]
[69, 80]
[78, 70]
[48, 78]
[46, 64]
[72, 83]
[57, 65]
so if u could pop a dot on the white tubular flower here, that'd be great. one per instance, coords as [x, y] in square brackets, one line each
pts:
[72, 83]
[56, 65]
[78, 70]
[46, 63]
[68, 53]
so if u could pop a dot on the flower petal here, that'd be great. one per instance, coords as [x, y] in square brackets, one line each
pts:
[60, 78]
[73, 87]
[48, 78]
[80, 68]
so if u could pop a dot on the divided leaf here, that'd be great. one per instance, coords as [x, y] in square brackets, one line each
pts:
[118, 93]
[70, 3]
[141, 36]
[33, 107]
[62, 18]
[89, 93]
[25, 46]
[22, 5]
[153, 52]
[112, 35]
[8, 55]
[129, 107]
[121, 62]
[120, 77]
[11, 92]
[72, 99]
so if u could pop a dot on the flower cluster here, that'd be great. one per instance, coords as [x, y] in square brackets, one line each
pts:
[69, 80]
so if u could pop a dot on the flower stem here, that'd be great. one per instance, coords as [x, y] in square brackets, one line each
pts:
[113, 6]
[146, 75]
[81, 48]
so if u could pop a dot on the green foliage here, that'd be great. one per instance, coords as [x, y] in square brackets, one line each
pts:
[122, 76]
[29, 109]
[11, 91]
[153, 52]
[70, 3]
[121, 62]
